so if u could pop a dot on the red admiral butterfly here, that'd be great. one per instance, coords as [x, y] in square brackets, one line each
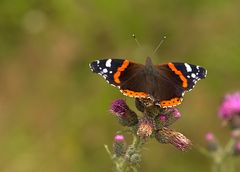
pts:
[165, 84]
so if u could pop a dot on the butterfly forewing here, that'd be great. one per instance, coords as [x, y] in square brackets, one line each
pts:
[107, 68]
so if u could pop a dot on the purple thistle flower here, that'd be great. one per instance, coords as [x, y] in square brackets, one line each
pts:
[125, 115]
[119, 107]
[119, 138]
[209, 137]
[180, 141]
[167, 117]
[176, 113]
[166, 135]
[212, 143]
[235, 134]
[162, 118]
[237, 148]
[230, 106]
[119, 145]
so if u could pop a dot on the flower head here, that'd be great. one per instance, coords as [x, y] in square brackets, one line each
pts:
[163, 118]
[125, 115]
[176, 113]
[230, 106]
[180, 141]
[167, 117]
[119, 145]
[145, 128]
[119, 138]
[237, 148]
[212, 143]
[209, 137]
[119, 107]
[166, 135]
[236, 134]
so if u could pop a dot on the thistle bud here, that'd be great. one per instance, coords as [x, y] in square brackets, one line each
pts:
[119, 145]
[166, 135]
[236, 134]
[125, 116]
[237, 148]
[212, 144]
[139, 105]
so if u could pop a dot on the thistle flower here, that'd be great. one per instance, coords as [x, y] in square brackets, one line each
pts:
[236, 134]
[212, 144]
[125, 116]
[166, 135]
[145, 127]
[237, 148]
[176, 113]
[119, 145]
[209, 137]
[167, 117]
[163, 118]
[230, 106]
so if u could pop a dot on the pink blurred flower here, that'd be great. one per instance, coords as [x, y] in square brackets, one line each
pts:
[237, 148]
[209, 137]
[230, 106]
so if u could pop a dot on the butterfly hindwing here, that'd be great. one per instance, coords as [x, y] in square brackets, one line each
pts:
[182, 77]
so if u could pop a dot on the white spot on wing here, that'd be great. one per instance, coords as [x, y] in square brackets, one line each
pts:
[188, 67]
[105, 70]
[193, 75]
[108, 63]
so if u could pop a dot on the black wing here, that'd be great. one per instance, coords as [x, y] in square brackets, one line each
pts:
[122, 73]
[174, 79]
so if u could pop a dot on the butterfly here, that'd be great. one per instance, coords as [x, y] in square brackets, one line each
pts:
[165, 84]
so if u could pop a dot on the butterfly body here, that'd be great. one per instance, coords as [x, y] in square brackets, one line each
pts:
[165, 84]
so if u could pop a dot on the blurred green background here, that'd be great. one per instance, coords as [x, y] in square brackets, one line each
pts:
[54, 112]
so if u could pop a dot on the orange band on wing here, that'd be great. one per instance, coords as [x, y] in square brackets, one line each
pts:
[172, 102]
[133, 93]
[179, 73]
[119, 70]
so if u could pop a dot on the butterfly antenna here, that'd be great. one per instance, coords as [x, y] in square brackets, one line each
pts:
[135, 38]
[160, 43]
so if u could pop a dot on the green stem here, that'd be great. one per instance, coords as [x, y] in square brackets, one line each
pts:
[108, 151]
[125, 163]
[221, 158]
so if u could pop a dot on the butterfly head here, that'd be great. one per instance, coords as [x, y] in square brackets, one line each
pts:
[149, 65]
